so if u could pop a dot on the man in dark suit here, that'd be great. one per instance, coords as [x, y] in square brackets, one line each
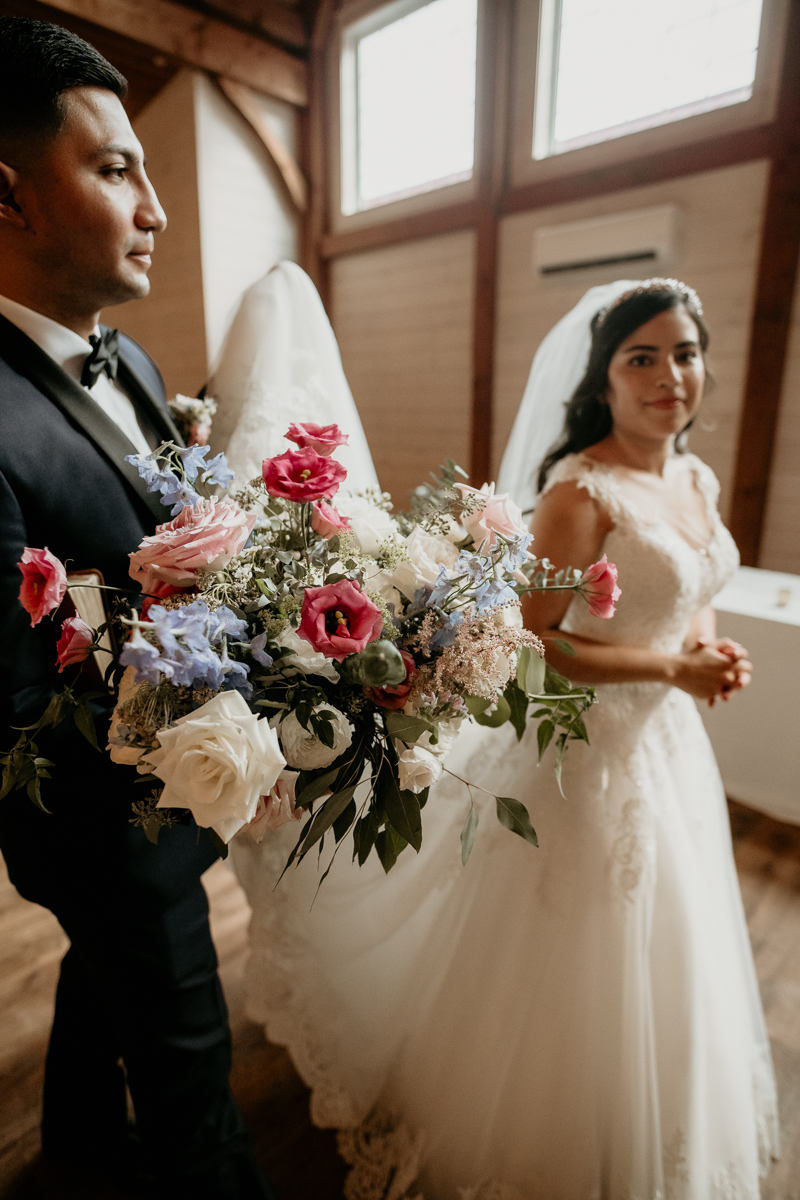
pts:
[138, 1000]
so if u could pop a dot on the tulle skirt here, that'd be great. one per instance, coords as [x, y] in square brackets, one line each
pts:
[579, 1021]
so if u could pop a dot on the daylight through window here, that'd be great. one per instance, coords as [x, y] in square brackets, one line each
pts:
[408, 103]
[612, 67]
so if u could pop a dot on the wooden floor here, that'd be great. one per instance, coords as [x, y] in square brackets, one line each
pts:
[301, 1161]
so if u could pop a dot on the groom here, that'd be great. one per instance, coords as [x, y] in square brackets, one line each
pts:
[138, 1000]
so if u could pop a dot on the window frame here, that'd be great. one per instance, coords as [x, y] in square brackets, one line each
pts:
[533, 98]
[368, 16]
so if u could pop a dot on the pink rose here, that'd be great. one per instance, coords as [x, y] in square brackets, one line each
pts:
[302, 475]
[490, 515]
[322, 438]
[339, 619]
[326, 521]
[44, 583]
[599, 586]
[394, 697]
[277, 808]
[74, 645]
[203, 538]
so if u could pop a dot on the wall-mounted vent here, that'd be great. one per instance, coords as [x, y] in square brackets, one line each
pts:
[646, 236]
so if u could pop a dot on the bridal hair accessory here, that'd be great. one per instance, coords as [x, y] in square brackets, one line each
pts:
[285, 662]
[687, 294]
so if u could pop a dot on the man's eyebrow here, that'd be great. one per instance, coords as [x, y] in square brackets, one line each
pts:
[131, 157]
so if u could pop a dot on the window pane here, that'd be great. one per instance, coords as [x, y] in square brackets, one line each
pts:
[633, 64]
[416, 102]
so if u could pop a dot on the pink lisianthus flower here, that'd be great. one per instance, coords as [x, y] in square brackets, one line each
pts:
[339, 619]
[44, 583]
[277, 808]
[75, 643]
[394, 697]
[599, 586]
[203, 538]
[326, 521]
[302, 476]
[490, 515]
[322, 438]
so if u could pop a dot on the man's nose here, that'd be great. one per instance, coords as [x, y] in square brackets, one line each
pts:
[149, 213]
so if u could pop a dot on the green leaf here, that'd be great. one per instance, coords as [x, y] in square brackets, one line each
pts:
[35, 794]
[530, 671]
[152, 830]
[402, 809]
[476, 705]
[318, 787]
[514, 816]
[561, 749]
[544, 735]
[330, 810]
[389, 846]
[406, 729]
[578, 731]
[84, 722]
[364, 835]
[344, 821]
[518, 706]
[501, 714]
[468, 833]
[565, 647]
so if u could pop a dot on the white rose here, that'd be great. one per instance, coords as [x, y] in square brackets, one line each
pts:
[302, 747]
[418, 768]
[447, 732]
[369, 524]
[276, 809]
[508, 616]
[216, 762]
[426, 553]
[304, 656]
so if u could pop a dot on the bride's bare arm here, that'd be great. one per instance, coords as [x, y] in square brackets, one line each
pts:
[569, 528]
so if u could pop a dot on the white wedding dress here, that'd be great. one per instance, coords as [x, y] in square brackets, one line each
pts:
[577, 1022]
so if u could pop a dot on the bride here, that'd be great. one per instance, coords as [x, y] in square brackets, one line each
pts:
[581, 1021]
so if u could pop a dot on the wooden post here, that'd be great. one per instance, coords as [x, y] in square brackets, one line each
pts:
[315, 225]
[775, 287]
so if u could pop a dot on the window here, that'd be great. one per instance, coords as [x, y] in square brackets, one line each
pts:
[408, 101]
[612, 67]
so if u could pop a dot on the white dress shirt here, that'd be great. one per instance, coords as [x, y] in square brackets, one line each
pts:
[70, 351]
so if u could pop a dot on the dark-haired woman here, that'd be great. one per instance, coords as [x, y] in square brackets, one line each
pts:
[581, 1021]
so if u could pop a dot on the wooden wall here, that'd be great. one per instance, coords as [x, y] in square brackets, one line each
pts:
[780, 550]
[403, 316]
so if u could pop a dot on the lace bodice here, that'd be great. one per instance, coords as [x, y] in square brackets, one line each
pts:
[664, 580]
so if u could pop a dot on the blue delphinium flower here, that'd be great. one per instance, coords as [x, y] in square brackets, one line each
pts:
[446, 634]
[218, 472]
[493, 591]
[442, 588]
[224, 623]
[234, 673]
[258, 652]
[179, 494]
[517, 552]
[192, 459]
[157, 478]
[471, 565]
[145, 658]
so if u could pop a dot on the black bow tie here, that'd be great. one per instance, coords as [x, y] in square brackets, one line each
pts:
[104, 357]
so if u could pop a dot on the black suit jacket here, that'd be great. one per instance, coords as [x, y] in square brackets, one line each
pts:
[64, 484]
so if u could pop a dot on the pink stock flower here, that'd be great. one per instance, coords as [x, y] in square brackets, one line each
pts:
[44, 582]
[277, 808]
[490, 515]
[203, 538]
[322, 438]
[302, 475]
[599, 586]
[394, 697]
[339, 619]
[74, 645]
[326, 521]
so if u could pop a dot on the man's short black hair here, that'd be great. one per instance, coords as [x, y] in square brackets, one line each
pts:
[38, 63]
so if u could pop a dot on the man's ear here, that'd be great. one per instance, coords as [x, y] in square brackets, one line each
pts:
[10, 211]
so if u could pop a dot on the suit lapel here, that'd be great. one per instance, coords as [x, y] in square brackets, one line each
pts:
[158, 416]
[28, 359]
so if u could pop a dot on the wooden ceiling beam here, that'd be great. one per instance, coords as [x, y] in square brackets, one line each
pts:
[265, 16]
[245, 102]
[199, 41]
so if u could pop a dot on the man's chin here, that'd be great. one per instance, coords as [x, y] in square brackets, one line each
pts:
[134, 287]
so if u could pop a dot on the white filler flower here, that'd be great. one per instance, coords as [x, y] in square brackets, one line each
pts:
[216, 762]
[304, 657]
[304, 750]
[418, 768]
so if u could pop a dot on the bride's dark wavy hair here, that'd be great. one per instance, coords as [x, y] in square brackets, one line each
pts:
[588, 417]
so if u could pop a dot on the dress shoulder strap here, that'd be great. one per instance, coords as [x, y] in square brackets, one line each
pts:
[598, 480]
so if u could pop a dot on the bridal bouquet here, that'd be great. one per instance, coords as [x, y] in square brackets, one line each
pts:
[296, 659]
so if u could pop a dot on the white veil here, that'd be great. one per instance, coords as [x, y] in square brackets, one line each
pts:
[558, 367]
[280, 363]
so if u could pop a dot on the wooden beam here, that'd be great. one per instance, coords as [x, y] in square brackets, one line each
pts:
[726, 150]
[200, 42]
[315, 139]
[775, 290]
[264, 16]
[402, 229]
[245, 102]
